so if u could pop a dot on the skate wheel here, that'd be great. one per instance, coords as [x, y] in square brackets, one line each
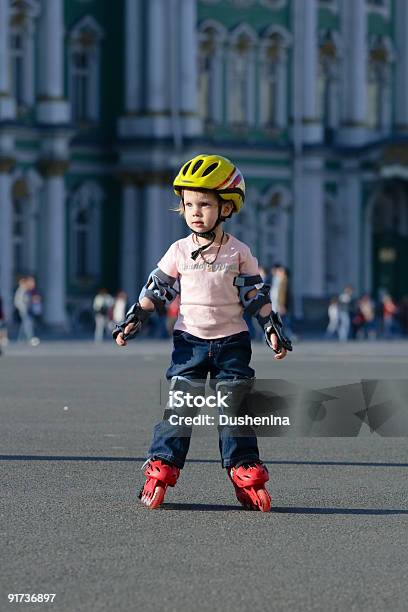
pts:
[264, 500]
[157, 498]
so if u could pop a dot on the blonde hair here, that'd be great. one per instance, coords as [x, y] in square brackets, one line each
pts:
[180, 208]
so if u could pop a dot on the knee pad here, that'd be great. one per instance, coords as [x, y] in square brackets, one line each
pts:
[236, 392]
[182, 393]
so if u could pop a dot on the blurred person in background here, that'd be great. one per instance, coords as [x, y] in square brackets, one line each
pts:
[390, 312]
[275, 284]
[35, 307]
[119, 308]
[282, 297]
[333, 313]
[23, 303]
[254, 331]
[345, 310]
[367, 309]
[102, 307]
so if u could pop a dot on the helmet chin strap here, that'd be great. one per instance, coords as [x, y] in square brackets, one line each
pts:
[209, 234]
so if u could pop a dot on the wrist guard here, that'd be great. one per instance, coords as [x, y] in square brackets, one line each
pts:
[272, 324]
[135, 315]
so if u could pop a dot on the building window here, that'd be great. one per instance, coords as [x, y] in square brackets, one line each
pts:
[85, 217]
[81, 231]
[17, 56]
[241, 68]
[273, 225]
[21, 48]
[210, 79]
[273, 80]
[19, 232]
[84, 70]
[333, 246]
[379, 87]
[81, 86]
[328, 85]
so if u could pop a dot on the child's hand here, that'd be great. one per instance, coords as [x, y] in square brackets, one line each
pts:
[120, 341]
[283, 352]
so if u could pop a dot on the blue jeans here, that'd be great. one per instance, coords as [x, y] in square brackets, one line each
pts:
[226, 359]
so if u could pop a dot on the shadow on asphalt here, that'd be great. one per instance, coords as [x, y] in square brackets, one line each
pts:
[282, 509]
[369, 511]
[143, 459]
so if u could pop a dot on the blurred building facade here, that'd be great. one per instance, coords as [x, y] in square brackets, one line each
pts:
[101, 101]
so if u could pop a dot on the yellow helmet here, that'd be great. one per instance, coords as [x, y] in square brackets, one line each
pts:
[214, 173]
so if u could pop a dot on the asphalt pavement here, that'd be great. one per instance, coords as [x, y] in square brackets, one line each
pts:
[75, 422]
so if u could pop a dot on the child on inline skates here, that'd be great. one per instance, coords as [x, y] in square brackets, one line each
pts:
[217, 278]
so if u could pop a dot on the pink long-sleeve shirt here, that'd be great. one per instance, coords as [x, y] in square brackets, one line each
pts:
[209, 303]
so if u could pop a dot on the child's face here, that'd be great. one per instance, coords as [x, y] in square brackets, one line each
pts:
[200, 210]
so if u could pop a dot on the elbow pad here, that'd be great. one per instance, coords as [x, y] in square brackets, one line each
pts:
[246, 283]
[161, 289]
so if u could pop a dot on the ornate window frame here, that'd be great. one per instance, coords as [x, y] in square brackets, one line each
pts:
[215, 90]
[26, 187]
[88, 197]
[242, 41]
[281, 72]
[380, 57]
[331, 53]
[22, 59]
[85, 39]
[274, 202]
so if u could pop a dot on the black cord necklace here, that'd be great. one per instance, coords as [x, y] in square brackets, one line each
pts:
[210, 263]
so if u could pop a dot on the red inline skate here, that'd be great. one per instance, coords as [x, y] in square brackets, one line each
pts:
[160, 475]
[249, 481]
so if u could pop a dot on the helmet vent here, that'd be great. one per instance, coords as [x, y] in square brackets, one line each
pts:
[186, 167]
[210, 169]
[197, 165]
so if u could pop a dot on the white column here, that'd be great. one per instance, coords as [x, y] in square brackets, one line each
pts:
[7, 104]
[401, 27]
[156, 81]
[350, 199]
[354, 77]
[133, 55]
[131, 249]
[188, 58]
[307, 39]
[157, 201]
[157, 119]
[52, 108]
[54, 289]
[6, 244]
[313, 239]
